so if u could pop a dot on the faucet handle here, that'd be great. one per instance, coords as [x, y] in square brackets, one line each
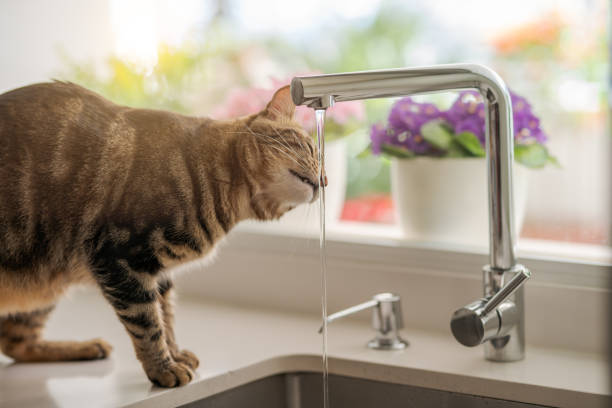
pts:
[522, 274]
[475, 323]
[386, 319]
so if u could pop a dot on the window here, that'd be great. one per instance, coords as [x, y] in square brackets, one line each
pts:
[190, 57]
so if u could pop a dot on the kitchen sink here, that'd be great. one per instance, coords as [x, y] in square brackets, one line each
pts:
[304, 390]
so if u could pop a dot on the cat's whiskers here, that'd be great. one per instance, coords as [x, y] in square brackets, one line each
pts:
[309, 159]
[273, 143]
[278, 141]
[282, 141]
[290, 157]
[288, 154]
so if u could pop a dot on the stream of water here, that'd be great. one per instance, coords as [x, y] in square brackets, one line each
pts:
[320, 118]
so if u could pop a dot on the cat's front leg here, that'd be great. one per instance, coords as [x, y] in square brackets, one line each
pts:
[166, 292]
[136, 300]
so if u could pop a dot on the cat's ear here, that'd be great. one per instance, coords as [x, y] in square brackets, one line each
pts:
[281, 106]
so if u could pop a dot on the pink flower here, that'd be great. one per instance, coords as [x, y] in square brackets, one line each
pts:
[242, 102]
[344, 112]
[305, 116]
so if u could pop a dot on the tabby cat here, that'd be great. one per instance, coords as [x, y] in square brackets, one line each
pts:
[95, 192]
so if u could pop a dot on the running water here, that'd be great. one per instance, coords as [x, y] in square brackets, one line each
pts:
[320, 118]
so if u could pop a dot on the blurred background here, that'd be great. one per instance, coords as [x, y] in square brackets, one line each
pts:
[213, 57]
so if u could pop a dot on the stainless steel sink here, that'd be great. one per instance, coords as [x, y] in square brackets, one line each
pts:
[303, 390]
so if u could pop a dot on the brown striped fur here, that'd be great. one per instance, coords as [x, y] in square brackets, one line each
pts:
[95, 192]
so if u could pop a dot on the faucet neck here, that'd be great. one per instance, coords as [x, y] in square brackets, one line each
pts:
[321, 90]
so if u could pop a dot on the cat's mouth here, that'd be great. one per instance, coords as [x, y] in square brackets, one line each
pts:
[304, 179]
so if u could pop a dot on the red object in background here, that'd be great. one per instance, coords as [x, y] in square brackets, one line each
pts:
[371, 208]
[567, 232]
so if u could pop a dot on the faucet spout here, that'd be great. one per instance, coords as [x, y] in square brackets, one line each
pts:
[472, 324]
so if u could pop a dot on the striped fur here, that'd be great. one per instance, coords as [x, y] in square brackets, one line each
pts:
[95, 192]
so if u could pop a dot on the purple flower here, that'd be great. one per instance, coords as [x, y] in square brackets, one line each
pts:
[473, 125]
[378, 137]
[405, 121]
[526, 124]
[467, 114]
[409, 140]
[409, 115]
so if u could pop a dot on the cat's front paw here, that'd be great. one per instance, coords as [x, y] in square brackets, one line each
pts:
[186, 357]
[173, 375]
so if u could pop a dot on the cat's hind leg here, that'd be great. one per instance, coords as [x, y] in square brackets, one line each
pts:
[20, 339]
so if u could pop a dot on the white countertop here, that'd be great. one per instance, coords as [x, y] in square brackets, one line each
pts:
[238, 344]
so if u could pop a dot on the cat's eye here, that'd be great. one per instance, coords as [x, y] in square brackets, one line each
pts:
[309, 144]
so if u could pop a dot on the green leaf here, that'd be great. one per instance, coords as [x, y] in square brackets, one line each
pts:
[456, 150]
[367, 152]
[470, 142]
[437, 135]
[532, 155]
[553, 160]
[335, 131]
[396, 151]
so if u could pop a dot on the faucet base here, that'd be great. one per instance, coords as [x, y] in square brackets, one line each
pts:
[495, 350]
[388, 343]
[497, 353]
[510, 346]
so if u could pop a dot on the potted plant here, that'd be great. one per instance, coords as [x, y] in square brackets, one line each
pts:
[438, 174]
[341, 120]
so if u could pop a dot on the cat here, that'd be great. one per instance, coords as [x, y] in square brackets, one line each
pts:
[94, 192]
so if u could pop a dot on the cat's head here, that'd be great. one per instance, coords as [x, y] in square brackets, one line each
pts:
[287, 164]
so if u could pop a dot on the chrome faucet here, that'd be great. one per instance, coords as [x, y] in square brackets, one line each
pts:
[498, 319]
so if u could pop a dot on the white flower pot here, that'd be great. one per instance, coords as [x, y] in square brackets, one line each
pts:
[445, 200]
[306, 216]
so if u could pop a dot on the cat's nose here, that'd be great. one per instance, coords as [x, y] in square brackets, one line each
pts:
[324, 180]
